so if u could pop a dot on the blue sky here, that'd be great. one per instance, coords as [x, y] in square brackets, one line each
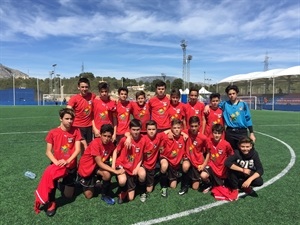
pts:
[134, 38]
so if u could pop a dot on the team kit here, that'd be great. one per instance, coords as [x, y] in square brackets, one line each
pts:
[146, 142]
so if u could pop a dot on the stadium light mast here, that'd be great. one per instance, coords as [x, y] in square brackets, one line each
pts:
[189, 58]
[183, 46]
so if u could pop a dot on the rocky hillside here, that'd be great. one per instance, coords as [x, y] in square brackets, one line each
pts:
[6, 72]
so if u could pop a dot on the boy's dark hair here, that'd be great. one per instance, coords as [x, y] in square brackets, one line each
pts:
[175, 122]
[83, 80]
[65, 111]
[107, 128]
[122, 89]
[138, 93]
[175, 92]
[135, 123]
[103, 85]
[151, 123]
[245, 140]
[214, 95]
[218, 128]
[160, 84]
[194, 119]
[194, 89]
[232, 87]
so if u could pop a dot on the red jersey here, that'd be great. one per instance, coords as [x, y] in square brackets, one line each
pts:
[83, 106]
[87, 163]
[196, 147]
[141, 113]
[63, 143]
[194, 110]
[129, 158]
[123, 112]
[159, 111]
[176, 112]
[151, 151]
[173, 150]
[218, 154]
[103, 112]
[213, 117]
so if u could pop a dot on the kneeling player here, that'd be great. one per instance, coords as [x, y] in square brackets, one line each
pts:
[95, 161]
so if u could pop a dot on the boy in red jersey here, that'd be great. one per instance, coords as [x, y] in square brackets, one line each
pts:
[159, 105]
[196, 156]
[214, 116]
[123, 111]
[130, 159]
[63, 147]
[170, 157]
[195, 108]
[215, 172]
[176, 109]
[151, 154]
[82, 104]
[95, 161]
[103, 109]
[140, 110]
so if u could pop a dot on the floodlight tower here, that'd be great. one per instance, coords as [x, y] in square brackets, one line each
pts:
[53, 73]
[189, 58]
[183, 46]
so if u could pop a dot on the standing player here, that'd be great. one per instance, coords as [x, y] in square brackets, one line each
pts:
[95, 161]
[130, 159]
[215, 172]
[103, 109]
[63, 147]
[195, 108]
[196, 156]
[123, 111]
[214, 116]
[159, 105]
[140, 110]
[170, 157]
[82, 105]
[176, 109]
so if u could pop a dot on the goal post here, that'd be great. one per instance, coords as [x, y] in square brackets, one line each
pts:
[251, 101]
[56, 99]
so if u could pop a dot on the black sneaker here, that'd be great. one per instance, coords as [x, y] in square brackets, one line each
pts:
[183, 190]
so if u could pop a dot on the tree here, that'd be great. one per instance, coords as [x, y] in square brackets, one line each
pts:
[177, 83]
[87, 75]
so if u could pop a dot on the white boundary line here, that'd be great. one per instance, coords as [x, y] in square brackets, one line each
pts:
[30, 132]
[211, 205]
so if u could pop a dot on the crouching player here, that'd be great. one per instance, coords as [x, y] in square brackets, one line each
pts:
[170, 157]
[215, 172]
[151, 154]
[129, 159]
[245, 167]
[95, 161]
[196, 156]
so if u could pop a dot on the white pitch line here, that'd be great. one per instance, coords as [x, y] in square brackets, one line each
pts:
[211, 205]
[31, 132]
[277, 125]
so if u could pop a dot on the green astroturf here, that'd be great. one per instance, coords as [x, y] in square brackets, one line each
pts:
[22, 147]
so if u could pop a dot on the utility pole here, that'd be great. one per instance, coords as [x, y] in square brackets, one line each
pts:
[183, 46]
[189, 58]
